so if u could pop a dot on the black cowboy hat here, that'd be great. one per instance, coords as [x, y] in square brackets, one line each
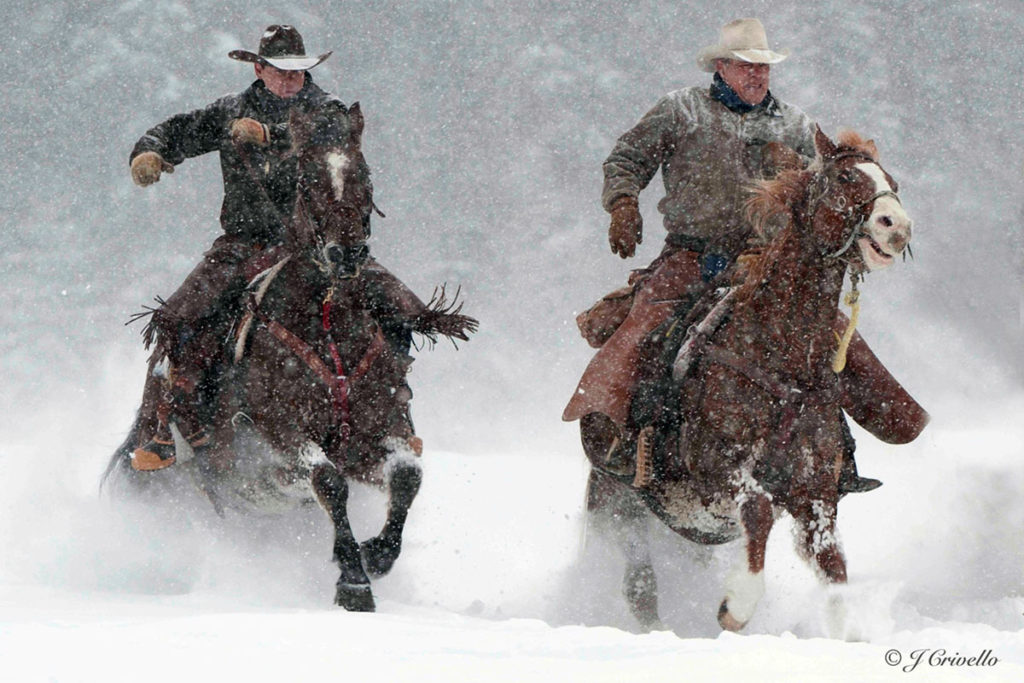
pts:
[281, 47]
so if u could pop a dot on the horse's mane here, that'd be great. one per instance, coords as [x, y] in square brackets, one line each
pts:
[780, 196]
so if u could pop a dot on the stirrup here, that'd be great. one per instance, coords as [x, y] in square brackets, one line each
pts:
[161, 452]
[155, 455]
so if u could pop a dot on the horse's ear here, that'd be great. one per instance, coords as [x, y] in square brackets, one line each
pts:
[355, 117]
[826, 148]
[871, 148]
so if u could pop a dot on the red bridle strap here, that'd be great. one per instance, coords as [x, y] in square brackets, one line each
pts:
[338, 383]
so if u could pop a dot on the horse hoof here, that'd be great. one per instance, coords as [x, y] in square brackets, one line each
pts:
[640, 587]
[355, 597]
[727, 621]
[379, 556]
[653, 626]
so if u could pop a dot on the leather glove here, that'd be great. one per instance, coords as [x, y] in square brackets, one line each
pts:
[626, 229]
[147, 167]
[246, 130]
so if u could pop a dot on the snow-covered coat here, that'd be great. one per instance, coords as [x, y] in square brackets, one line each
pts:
[246, 212]
[708, 155]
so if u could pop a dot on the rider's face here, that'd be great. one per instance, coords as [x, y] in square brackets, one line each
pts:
[749, 81]
[284, 84]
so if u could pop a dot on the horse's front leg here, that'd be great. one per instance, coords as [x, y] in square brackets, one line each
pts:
[402, 478]
[353, 587]
[817, 543]
[816, 538]
[744, 585]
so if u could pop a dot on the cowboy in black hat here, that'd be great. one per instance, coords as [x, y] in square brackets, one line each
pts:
[250, 132]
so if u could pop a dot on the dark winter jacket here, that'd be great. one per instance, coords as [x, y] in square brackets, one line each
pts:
[246, 212]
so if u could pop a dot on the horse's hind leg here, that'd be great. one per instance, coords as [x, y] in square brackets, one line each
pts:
[353, 587]
[623, 515]
[744, 585]
[403, 476]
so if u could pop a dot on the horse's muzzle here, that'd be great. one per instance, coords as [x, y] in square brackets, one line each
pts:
[345, 261]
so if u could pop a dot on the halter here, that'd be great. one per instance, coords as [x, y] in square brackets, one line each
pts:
[850, 212]
[857, 232]
[853, 297]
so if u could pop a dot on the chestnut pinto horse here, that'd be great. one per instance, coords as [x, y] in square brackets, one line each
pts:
[315, 393]
[758, 428]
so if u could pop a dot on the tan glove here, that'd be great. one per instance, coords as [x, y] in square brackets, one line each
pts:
[626, 229]
[146, 168]
[246, 130]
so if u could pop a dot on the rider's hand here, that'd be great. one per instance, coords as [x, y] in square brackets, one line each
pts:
[146, 168]
[246, 130]
[626, 229]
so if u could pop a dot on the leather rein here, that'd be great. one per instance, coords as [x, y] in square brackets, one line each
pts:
[791, 397]
[337, 379]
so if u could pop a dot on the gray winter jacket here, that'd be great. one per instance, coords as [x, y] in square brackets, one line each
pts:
[708, 155]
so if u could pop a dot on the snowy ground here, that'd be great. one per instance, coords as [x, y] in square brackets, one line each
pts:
[493, 584]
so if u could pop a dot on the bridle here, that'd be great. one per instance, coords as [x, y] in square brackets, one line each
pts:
[856, 216]
[839, 205]
[353, 257]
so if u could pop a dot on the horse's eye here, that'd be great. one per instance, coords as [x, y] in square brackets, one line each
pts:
[848, 176]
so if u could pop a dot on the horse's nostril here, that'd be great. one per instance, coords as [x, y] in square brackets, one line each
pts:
[885, 221]
[335, 254]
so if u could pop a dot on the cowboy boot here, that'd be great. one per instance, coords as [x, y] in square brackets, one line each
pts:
[177, 421]
[849, 480]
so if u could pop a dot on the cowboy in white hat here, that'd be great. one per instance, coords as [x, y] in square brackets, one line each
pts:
[250, 133]
[710, 143]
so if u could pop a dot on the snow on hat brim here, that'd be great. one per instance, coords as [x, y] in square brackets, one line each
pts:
[707, 57]
[281, 47]
[744, 40]
[285, 63]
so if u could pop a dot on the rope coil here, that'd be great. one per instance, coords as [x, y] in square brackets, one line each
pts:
[852, 299]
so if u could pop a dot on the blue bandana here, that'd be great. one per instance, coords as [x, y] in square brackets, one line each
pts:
[721, 91]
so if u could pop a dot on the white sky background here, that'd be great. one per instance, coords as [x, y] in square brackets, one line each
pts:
[486, 128]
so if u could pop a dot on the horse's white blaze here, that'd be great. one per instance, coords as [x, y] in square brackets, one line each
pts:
[887, 228]
[337, 163]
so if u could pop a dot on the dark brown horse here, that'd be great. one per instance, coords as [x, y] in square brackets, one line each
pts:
[315, 390]
[756, 427]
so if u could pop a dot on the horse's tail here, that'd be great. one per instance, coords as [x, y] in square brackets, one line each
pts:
[120, 461]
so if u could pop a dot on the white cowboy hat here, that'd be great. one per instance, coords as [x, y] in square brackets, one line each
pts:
[281, 47]
[743, 39]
